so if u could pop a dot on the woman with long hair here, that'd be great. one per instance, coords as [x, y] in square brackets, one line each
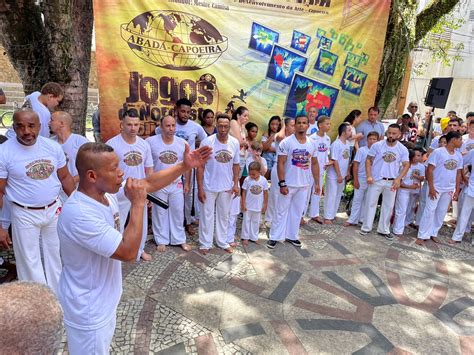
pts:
[269, 144]
[207, 122]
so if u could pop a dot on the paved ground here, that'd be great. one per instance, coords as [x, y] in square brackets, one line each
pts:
[339, 293]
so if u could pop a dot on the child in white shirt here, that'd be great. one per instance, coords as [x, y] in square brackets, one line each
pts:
[254, 202]
[409, 193]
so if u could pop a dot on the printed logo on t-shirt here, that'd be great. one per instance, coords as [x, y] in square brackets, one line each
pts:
[223, 156]
[256, 189]
[415, 172]
[300, 158]
[469, 146]
[117, 221]
[133, 158]
[389, 157]
[345, 154]
[168, 157]
[182, 134]
[40, 169]
[322, 148]
[451, 164]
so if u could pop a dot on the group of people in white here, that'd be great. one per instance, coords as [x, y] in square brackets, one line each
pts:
[77, 209]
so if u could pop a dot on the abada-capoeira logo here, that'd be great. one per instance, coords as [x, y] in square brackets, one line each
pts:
[345, 154]
[183, 135]
[223, 156]
[300, 158]
[322, 147]
[40, 169]
[389, 157]
[168, 157]
[415, 172]
[256, 189]
[450, 164]
[133, 158]
[469, 147]
[117, 221]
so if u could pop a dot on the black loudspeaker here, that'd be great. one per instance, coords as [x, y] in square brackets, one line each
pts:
[438, 92]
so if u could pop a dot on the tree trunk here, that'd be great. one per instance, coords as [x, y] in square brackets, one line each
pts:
[405, 29]
[57, 48]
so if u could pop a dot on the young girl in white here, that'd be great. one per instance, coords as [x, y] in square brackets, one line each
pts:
[253, 202]
[409, 193]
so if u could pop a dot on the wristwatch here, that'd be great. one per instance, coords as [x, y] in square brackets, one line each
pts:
[282, 183]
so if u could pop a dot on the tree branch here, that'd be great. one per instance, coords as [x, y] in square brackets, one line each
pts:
[428, 18]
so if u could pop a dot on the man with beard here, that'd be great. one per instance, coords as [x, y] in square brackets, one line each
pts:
[32, 171]
[384, 177]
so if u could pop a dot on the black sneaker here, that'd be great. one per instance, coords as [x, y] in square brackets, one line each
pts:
[388, 236]
[295, 243]
[271, 244]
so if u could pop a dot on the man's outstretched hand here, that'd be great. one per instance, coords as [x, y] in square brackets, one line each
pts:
[197, 157]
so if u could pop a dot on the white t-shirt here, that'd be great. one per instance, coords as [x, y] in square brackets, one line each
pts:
[218, 175]
[387, 160]
[446, 168]
[254, 195]
[298, 163]
[322, 150]
[250, 159]
[43, 112]
[468, 159]
[31, 171]
[189, 132]
[313, 128]
[133, 158]
[70, 148]
[361, 157]
[417, 169]
[341, 153]
[435, 142]
[91, 282]
[166, 155]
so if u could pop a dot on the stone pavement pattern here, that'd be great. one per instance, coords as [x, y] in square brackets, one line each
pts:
[340, 293]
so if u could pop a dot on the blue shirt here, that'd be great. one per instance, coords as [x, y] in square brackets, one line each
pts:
[366, 127]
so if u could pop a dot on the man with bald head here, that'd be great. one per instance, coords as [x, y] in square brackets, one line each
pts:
[60, 126]
[166, 151]
[32, 171]
[93, 243]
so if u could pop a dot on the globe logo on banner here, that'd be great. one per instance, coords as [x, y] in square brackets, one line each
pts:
[174, 40]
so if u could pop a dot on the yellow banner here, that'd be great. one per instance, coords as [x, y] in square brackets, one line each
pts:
[275, 57]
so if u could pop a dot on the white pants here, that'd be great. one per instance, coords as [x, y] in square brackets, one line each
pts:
[315, 199]
[29, 229]
[251, 225]
[168, 223]
[332, 197]
[97, 341]
[461, 200]
[233, 214]
[287, 218]
[5, 214]
[272, 195]
[433, 214]
[188, 200]
[464, 217]
[358, 210]
[215, 210]
[421, 203]
[124, 209]
[383, 187]
[404, 208]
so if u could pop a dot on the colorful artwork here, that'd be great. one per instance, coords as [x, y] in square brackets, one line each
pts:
[320, 33]
[306, 92]
[262, 38]
[353, 60]
[364, 58]
[284, 63]
[326, 62]
[353, 81]
[325, 43]
[300, 41]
